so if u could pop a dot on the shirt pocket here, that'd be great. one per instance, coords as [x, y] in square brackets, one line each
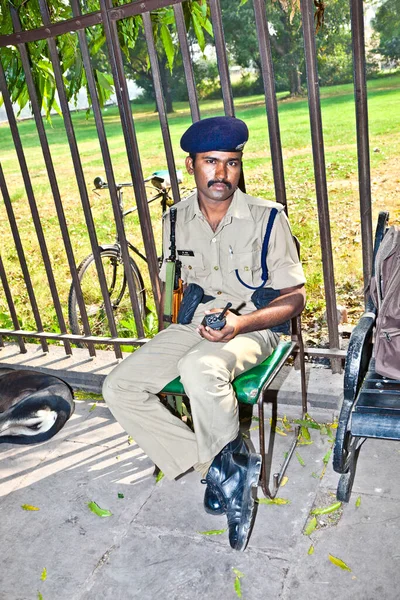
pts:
[248, 267]
[192, 265]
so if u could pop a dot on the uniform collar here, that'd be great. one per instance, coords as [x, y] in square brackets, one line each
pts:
[239, 207]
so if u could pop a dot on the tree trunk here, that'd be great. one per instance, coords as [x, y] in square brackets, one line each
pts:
[294, 81]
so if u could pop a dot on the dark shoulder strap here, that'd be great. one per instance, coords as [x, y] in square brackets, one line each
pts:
[264, 252]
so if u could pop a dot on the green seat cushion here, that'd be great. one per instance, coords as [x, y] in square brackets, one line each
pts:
[248, 385]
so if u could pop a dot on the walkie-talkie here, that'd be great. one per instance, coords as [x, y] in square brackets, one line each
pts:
[215, 320]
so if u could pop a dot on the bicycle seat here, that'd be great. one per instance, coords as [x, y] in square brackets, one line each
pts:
[162, 180]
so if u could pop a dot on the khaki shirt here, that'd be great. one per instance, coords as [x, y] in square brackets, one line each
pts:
[210, 258]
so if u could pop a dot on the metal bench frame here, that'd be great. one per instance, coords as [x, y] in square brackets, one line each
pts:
[369, 406]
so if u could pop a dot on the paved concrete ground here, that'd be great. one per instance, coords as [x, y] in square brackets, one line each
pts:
[151, 548]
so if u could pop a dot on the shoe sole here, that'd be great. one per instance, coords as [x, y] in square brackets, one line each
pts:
[248, 512]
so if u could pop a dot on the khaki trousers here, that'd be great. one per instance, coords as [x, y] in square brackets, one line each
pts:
[206, 370]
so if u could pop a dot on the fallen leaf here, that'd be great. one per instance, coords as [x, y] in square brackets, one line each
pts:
[311, 550]
[286, 423]
[130, 440]
[284, 481]
[326, 509]
[120, 495]
[43, 576]
[100, 512]
[160, 475]
[29, 507]
[238, 587]
[327, 456]
[338, 562]
[311, 526]
[237, 572]
[212, 532]
[93, 407]
[39, 595]
[306, 423]
[301, 461]
[358, 502]
[278, 501]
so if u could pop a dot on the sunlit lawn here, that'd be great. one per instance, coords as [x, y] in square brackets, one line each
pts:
[341, 163]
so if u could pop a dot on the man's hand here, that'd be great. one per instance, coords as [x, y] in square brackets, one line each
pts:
[225, 334]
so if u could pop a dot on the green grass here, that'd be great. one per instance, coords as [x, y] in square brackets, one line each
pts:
[338, 114]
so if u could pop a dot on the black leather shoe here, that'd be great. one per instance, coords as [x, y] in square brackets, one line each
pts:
[214, 503]
[240, 510]
[232, 485]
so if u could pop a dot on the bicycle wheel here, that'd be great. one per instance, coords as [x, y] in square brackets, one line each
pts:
[117, 290]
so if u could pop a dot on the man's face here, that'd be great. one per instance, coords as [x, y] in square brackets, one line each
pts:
[216, 174]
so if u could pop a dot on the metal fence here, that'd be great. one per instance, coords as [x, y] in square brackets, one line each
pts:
[109, 17]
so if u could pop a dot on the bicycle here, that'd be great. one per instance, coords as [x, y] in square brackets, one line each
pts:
[111, 257]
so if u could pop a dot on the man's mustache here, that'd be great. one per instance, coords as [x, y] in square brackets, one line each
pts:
[227, 183]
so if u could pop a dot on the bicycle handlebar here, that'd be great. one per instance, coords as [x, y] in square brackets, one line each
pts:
[159, 179]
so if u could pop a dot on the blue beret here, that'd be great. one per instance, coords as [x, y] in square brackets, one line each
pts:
[224, 134]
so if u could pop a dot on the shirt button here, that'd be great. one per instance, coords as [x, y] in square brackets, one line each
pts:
[190, 267]
[214, 240]
[219, 293]
[216, 268]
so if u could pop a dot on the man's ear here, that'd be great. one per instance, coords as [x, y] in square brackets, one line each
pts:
[189, 165]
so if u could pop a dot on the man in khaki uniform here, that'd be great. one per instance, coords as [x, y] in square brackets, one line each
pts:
[222, 244]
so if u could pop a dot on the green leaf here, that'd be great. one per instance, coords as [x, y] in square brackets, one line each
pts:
[168, 44]
[39, 595]
[323, 430]
[358, 502]
[130, 440]
[311, 526]
[301, 461]
[160, 475]
[43, 576]
[237, 572]
[339, 563]
[327, 456]
[278, 501]
[212, 532]
[307, 423]
[238, 587]
[311, 550]
[326, 509]
[305, 433]
[29, 507]
[198, 32]
[93, 407]
[100, 512]
[120, 495]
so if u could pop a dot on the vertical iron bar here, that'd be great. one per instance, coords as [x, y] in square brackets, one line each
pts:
[267, 69]
[11, 305]
[118, 217]
[55, 60]
[128, 128]
[187, 62]
[21, 257]
[222, 59]
[320, 176]
[161, 109]
[29, 189]
[364, 170]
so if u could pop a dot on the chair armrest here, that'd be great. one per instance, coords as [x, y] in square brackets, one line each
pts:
[357, 361]
[359, 354]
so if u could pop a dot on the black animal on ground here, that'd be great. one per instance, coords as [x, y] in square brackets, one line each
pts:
[33, 406]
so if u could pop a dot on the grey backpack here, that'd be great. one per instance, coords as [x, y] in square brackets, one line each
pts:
[385, 293]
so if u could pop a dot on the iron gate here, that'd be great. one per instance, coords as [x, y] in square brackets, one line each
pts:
[109, 16]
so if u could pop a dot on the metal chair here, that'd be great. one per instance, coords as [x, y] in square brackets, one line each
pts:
[251, 388]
